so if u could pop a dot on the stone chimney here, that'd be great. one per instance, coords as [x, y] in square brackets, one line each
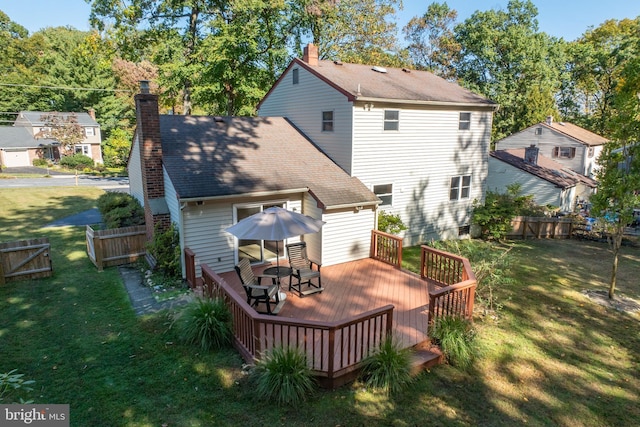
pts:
[531, 154]
[92, 113]
[549, 120]
[311, 55]
[149, 143]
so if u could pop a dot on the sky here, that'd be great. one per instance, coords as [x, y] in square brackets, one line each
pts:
[568, 19]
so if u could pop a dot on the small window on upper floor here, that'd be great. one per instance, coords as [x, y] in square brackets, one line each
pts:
[538, 131]
[460, 187]
[391, 119]
[89, 131]
[384, 193]
[327, 121]
[564, 152]
[465, 121]
[295, 76]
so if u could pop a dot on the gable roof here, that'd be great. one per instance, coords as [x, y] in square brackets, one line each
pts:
[399, 85]
[21, 137]
[34, 118]
[546, 169]
[576, 132]
[212, 157]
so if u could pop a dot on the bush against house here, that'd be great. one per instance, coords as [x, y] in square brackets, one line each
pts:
[120, 210]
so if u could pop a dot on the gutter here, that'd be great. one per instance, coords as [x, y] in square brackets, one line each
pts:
[492, 106]
[245, 195]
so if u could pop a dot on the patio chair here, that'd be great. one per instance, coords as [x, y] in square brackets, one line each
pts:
[257, 293]
[302, 268]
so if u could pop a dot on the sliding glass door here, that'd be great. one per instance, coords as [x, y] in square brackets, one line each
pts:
[258, 250]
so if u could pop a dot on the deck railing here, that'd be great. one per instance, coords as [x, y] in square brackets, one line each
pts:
[334, 349]
[386, 247]
[454, 284]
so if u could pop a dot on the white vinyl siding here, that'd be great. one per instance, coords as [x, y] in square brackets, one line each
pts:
[135, 172]
[502, 174]
[420, 162]
[347, 235]
[304, 103]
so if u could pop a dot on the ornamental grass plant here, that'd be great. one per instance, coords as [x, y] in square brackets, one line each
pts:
[205, 323]
[388, 368]
[283, 376]
[457, 339]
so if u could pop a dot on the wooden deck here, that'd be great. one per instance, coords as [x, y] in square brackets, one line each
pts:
[356, 287]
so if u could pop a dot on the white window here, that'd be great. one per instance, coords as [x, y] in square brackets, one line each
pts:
[465, 121]
[295, 76]
[460, 187]
[391, 119]
[327, 121]
[82, 149]
[538, 131]
[89, 131]
[384, 193]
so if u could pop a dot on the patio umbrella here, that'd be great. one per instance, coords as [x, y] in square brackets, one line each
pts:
[277, 224]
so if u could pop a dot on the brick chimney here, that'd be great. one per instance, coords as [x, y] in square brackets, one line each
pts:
[549, 120]
[92, 113]
[531, 154]
[156, 211]
[310, 55]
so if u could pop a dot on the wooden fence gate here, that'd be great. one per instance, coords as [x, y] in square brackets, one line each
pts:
[25, 259]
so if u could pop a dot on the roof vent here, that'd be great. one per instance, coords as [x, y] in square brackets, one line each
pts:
[379, 69]
[406, 70]
[337, 62]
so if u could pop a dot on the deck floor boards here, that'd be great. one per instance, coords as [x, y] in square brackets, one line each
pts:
[355, 287]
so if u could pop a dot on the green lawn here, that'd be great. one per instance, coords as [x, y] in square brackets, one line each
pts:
[551, 356]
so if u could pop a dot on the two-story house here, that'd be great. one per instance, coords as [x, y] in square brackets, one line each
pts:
[572, 146]
[35, 123]
[419, 142]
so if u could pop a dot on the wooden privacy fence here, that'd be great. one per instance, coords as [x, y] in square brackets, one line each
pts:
[116, 246]
[455, 283]
[525, 227]
[25, 259]
[334, 350]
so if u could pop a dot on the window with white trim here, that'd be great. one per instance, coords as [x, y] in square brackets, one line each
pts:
[82, 149]
[460, 188]
[564, 152]
[327, 121]
[295, 75]
[538, 131]
[384, 193]
[464, 122]
[391, 119]
[89, 131]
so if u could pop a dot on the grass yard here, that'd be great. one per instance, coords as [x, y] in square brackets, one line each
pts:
[550, 356]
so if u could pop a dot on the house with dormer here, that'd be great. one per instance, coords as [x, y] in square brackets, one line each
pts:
[572, 146]
[419, 142]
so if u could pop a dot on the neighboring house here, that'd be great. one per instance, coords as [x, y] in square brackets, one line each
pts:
[18, 147]
[90, 146]
[572, 146]
[206, 173]
[417, 141]
[550, 182]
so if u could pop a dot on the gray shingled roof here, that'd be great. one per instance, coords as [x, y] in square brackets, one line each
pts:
[20, 137]
[35, 118]
[394, 85]
[547, 169]
[209, 157]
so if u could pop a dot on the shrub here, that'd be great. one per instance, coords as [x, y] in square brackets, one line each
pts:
[76, 161]
[457, 339]
[165, 248]
[205, 323]
[284, 376]
[40, 163]
[120, 210]
[388, 368]
[390, 223]
[11, 382]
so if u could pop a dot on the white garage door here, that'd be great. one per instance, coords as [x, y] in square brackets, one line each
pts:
[13, 159]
